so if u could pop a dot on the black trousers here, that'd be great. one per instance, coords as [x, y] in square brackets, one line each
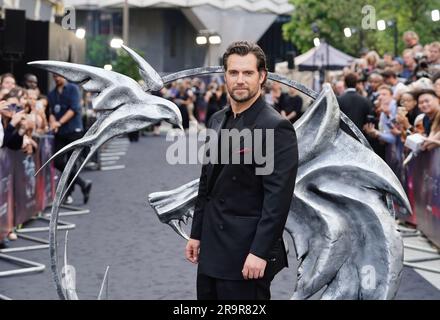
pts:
[209, 288]
[60, 163]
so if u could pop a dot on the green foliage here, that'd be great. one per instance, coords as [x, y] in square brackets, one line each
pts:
[98, 51]
[124, 64]
[332, 16]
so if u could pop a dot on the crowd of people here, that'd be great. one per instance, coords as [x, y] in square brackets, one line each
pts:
[393, 99]
[22, 113]
[389, 98]
[198, 100]
[26, 115]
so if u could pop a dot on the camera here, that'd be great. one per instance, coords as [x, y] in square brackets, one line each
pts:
[15, 107]
[371, 119]
[421, 70]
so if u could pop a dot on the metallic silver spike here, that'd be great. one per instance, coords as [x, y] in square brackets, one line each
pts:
[104, 284]
[340, 187]
[153, 82]
[175, 224]
[69, 275]
[340, 190]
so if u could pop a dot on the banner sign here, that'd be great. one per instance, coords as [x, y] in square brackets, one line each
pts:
[6, 203]
[22, 195]
[423, 189]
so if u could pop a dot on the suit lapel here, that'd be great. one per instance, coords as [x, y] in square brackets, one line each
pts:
[217, 124]
[249, 122]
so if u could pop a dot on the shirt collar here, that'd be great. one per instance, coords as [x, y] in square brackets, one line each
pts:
[250, 114]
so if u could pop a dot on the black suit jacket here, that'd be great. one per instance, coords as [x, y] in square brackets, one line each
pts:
[241, 212]
[357, 108]
[12, 139]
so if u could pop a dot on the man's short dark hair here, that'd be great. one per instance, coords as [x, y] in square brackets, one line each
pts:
[351, 80]
[16, 92]
[420, 92]
[29, 75]
[388, 73]
[243, 48]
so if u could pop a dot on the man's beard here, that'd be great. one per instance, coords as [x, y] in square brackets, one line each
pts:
[244, 98]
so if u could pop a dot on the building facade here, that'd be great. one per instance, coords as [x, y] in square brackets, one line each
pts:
[165, 31]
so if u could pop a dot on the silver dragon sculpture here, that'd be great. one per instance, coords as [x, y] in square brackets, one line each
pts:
[341, 218]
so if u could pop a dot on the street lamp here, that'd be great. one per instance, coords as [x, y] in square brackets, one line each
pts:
[215, 39]
[80, 33]
[201, 40]
[208, 37]
[116, 43]
[349, 32]
[435, 15]
[316, 42]
[381, 25]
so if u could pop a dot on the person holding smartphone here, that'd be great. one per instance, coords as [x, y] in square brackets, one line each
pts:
[10, 136]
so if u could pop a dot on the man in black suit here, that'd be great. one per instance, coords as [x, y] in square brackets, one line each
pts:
[240, 212]
[355, 106]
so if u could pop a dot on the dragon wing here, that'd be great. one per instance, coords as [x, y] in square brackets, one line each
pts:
[124, 107]
[341, 218]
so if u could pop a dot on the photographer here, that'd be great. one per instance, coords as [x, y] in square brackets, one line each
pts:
[422, 68]
[17, 125]
[9, 134]
[388, 109]
[388, 129]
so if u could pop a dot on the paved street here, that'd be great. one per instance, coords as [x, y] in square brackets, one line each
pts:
[146, 257]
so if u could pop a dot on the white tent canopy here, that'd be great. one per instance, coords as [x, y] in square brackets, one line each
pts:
[323, 57]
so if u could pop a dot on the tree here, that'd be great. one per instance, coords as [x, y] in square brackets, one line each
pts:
[332, 16]
[124, 64]
[98, 51]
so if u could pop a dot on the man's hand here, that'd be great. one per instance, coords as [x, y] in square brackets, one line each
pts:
[254, 267]
[395, 131]
[17, 118]
[371, 130]
[54, 126]
[28, 145]
[3, 106]
[192, 250]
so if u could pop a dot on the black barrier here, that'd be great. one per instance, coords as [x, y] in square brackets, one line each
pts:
[423, 189]
[22, 195]
[5, 194]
